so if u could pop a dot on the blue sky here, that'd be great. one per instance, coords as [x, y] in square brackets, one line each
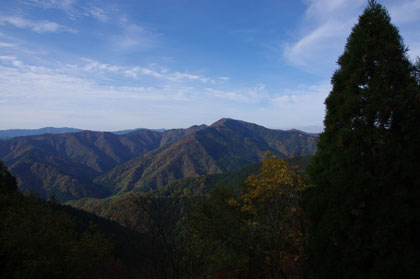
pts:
[112, 65]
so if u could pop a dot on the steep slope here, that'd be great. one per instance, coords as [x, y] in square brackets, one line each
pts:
[226, 145]
[65, 165]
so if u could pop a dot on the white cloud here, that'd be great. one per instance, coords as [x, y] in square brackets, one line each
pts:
[73, 8]
[56, 86]
[67, 6]
[12, 60]
[3, 44]
[98, 13]
[137, 72]
[326, 25]
[134, 37]
[41, 96]
[184, 76]
[57, 4]
[319, 43]
[73, 95]
[248, 96]
[54, 79]
[94, 66]
[42, 26]
[327, 9]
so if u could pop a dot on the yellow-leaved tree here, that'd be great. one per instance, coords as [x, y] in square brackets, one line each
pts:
[272, 215]
[257, 232]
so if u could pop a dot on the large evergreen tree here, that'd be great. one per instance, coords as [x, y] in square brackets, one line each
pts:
[363, 210]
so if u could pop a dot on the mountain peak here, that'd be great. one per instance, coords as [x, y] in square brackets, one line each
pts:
[224, 121]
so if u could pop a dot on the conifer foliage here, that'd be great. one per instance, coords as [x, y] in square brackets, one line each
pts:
[364, 208]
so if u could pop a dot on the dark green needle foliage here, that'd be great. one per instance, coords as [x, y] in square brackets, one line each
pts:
[8, 182]
[364, 209]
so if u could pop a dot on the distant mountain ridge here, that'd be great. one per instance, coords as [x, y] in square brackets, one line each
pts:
[12, 133]
[98, 164]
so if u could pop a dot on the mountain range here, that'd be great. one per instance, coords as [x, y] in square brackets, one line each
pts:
[82, 164]
[13, 133]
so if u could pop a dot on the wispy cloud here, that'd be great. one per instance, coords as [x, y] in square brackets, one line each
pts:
[184, 76]
[324, 29]
[42, 26]
[74, 9]
[253, 95]
[316, 45]
[64, 96]
[98, 13]
[72, 95]
[57, 4]
[42, 82]
[326, 25]
[67, 6]
[93, 66]
[3, 44]
[327, 9]
[11, 60]
[138, 72]
[134, 37]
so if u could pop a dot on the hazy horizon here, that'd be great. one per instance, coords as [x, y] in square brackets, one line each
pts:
[308, 129]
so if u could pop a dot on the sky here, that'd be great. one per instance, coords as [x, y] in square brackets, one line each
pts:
[113, 65]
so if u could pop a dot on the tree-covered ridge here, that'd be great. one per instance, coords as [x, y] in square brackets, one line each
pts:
[97, 164]
[65, 165]
[227, 145]
[120, 209]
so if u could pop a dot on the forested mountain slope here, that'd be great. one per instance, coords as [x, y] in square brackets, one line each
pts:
[65, 165]
[227, 145]
[98, 164]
